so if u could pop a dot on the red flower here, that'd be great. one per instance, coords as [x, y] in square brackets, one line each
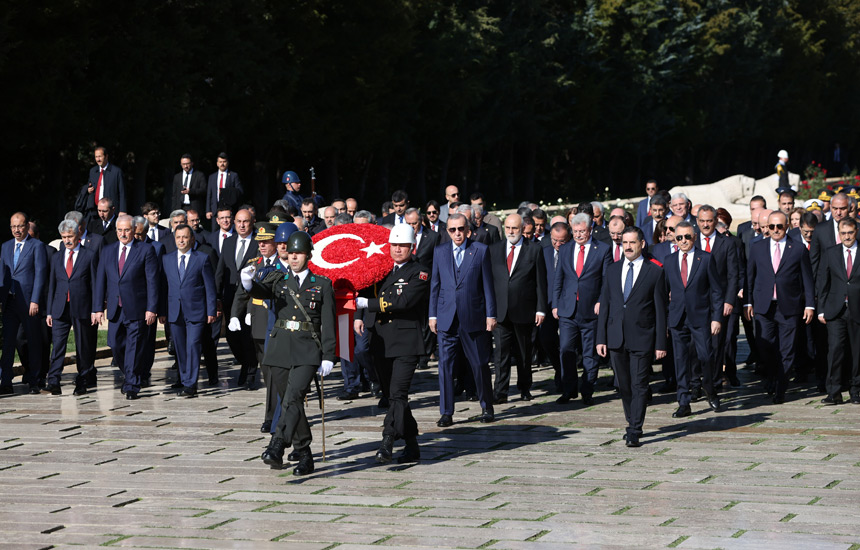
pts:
[824, 171]
[356, 253]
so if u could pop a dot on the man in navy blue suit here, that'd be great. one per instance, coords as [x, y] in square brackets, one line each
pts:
[659, 210]
[223, 182]
[578, 281]
[188, 304]
[462, 315]
[779, 294]
[106, 181]
[69, 305]
[695, 314]
[151, 212]
[644, 209]
[559, 235]
[127, 283]
[23, 266]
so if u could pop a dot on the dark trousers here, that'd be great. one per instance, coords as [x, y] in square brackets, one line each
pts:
[548, 332]
[13, 317]
[632, 371]
[242, 346]
[126, 338]
[513, 340]
[149, 349]
[692, 344]
[83, 344]
[187, 342]
[843, 333]
[395, 378]
[577, 339]
[292, 385]
[351, 370]
[718, 351]
[750, 332]
[209, 346]
[476, 347]
[268, 381]
[776, 335]
[730, 349]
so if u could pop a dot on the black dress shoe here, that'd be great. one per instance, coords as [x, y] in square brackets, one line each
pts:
[52, 389]
[500, 400]
[526, 396]
[305, 465]
[213, 382]
[563, 399]
[35, 390]
[294, 456]
[145, 382]
[487, 416]
[696, 394]
[667, 387]
[445, 421]
[132, 395]
[274, 453]
[714, 403]
[587, 401]
[778, 399]
[383, 402]
[176, 385]
[242, 379]
[682, 411]
[252, 384]
[7, 390]
[384, 454]
[347, 396]
[412, 453]
[375, 389]
[187, 392]
[832, 400]
[80, 390]
[855, 399]
[633, 441]
[733, 380]
[266, 427]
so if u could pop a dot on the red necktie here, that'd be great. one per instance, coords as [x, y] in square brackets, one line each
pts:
[707, 244]
[510, 259]
[99, 185]
[122, 259]
[221, 184]
[847, 264]
[684, 270]
[69, 266]
[580, 259]
[617, 253]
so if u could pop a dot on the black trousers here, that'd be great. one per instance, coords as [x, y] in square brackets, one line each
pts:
[730, 349]
[293, 384]
[513, 340]
[776, 335]
[84, 345]
[548, 333]
[271, 392]
[210, 350]
[843, 334]
[242, 346]
[395, 378]
[718, 351]
[692, 345]
[632, 372]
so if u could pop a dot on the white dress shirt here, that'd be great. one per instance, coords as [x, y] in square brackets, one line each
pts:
[180, 255]
[186, 183]
[577, 249]
[222, 235]
[300, 276]
[637, 267]
[127, 252]
[703, 243]
[517, 247]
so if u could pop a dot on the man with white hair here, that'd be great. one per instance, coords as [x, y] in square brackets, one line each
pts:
[680, 206]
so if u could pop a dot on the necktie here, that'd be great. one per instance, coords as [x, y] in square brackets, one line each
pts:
[122, 259]
[69, 266]
[399, 219]
[220, 186]
[182, 268]
[554, 259]
[458, 256]
[511, 259]
[185, 183]
[17, 254]
[186, 198]
[99, 187]
[152, 234]
[240, 254]
[580, 260]
[775, 259]
[848, 264]
[707, 244]
[628, 281]
[674, 248]
[105, 224]
[617, 253]
[684, 270]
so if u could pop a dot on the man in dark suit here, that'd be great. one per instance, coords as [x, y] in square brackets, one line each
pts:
[778, 294]
[23, 267]
[838, 287]
[644, 208]
[559, 235]
[224, 230]
[579, 278]
[659, 210]
[71, 279]
[106, 181]
[201, 236]
[400, 202]
[127, 283]
[695, 315]
[432, 212]
[680, 206]
[519, 281]
[218, 182]
[105, 223]
[189, 187]
[631, 327]
[188, 304]
[154, 231]
[313, 224]
[827, 232]
[756, 203]
[462, 315]
[481, 231]
[426, 241]
[237, 251]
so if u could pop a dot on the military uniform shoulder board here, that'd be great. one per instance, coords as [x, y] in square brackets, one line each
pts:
[253, 261]
[423, 276]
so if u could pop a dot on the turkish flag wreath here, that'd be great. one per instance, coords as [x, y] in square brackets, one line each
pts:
[354, 256]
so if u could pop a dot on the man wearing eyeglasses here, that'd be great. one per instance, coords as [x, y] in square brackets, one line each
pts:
[452, 195]
[462, 315]
[432, 210]
[779, 292]
[644, 208]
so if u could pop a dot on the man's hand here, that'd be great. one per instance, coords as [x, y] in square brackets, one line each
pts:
[50, 321]
[432, 325]
[358, 326]
[150, 317]
[601, 350]
[808, 314]
[34, 309]
[555, 312]
[715, 327]
[246, 275]
[491, 324]
[90, 188]
[184, 191]
[210, 319]
[597, 308]
[660, 353]
[748, 313]
[248, 319]
[539, 319]
[208, 215]
[727, 309]
[96, 318]
[234, 325]
[325, 368]
[219, 309]
[360, 303]
[821, 319]
[162, 319]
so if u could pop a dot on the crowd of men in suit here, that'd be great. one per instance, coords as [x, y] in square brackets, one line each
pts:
[669, 283]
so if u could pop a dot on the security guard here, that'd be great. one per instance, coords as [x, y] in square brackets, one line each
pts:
[782, 168]
[301, 344]
[394, 316]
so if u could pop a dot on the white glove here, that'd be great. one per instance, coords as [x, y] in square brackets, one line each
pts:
[234, 324]
[325, 368]
[248, 319]
[247, 275]
[361, 303]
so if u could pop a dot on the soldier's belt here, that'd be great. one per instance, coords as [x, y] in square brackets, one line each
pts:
[295, 325]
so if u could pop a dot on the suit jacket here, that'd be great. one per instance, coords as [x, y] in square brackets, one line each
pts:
[701, 301]
[466, 293]
[823, 238]
[426, 246]
[137, 285]
[834, 287]
[747, 239]
[725, 260]
[522, 293]
[388, 219]
[317, 225]
[743, 228]
[587, 286]
[194, 295]
[640, 323]
[227, 272]
[26, 280]
[113, 184]
[196, 191]
[85, 202]
[793, 278]
[78, 287]
[212, 200]
[441, 229]
[549, 268]
[600, 233]
[643, 211]
[163, 233]
[485, 234]
[93, 241]
[647, 228]
[202, 236]
[660, 251]
[96, 227]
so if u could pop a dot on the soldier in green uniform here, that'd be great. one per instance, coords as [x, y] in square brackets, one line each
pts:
[394, 314]
[302, 343]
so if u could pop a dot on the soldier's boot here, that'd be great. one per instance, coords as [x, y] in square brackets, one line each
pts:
[305, 465]
[294, 455]
[383, 455]
[274, 453]
[411, 453]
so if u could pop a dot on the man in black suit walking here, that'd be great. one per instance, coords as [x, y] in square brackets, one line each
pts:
[839, 309]
[106, 181]
[189, 187]
[827, 232]
[631, 326]
[224, 187]
[519, 281]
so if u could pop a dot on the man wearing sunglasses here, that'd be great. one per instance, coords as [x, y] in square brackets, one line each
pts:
[462, 315]
[452, 195]
[779, 293]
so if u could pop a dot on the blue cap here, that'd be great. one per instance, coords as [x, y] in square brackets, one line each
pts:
[282, 234]
[290, 177]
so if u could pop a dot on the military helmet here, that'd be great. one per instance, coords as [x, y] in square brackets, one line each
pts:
[290, 177]
[282, 234]
[300, 242]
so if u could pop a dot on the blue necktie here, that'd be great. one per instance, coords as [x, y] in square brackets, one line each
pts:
[182, 268]
[17, 254]
[458, 256]
[628, 281]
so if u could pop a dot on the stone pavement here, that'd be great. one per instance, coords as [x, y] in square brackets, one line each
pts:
[164, 472]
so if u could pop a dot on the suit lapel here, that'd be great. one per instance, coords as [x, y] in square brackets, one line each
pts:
[520, 257]
[643, 271]
[468, 255]
[133, 251]
[697, 258]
